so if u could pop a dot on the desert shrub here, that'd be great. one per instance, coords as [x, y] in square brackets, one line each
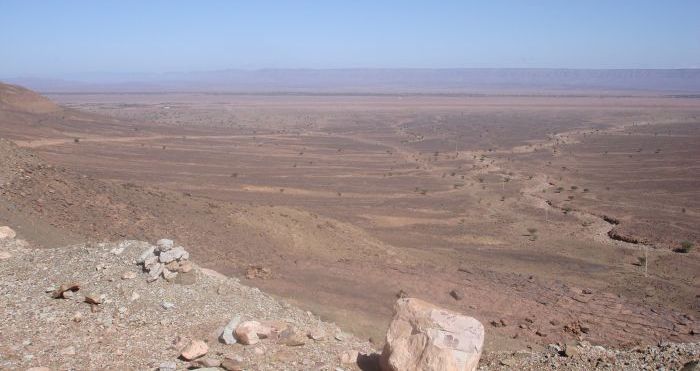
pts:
[686, 247]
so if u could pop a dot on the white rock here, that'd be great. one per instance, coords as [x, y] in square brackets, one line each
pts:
[227, 333]
[7, 233]
[167, 305]
[164, 244]
[167, 366]
[145, 254]
[155, 271]
[422, 336]
[176, 253]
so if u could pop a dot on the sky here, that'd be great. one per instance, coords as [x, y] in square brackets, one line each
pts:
[57, 38]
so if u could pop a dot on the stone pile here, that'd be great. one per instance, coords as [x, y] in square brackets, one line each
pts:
[164, 260]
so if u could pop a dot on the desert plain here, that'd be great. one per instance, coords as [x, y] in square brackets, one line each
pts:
[548, 217]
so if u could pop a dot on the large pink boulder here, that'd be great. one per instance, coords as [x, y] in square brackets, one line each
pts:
[424, 337]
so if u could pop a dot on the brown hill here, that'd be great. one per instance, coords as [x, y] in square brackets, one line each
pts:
[17, 98]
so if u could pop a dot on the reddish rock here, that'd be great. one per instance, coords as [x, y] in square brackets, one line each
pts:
[194, 350]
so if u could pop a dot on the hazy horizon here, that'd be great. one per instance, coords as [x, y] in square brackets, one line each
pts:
[62, 39]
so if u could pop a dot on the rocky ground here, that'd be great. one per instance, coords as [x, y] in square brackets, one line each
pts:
[134, 324]
[117, 319]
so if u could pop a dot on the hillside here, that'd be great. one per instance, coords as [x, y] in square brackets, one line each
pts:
[17, 98]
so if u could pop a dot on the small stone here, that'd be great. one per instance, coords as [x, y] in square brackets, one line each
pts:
[206, 362]
[134, 296]
[168, 274]
[7, 233]
[164, 244]
[77, 317]
[4, 255]
[226, 336]
[291, 337]
[349, 357]
[167, 366]
[129, 275]
[185, 267]
[258, 351]
[61, 291]
[541, 333]
[457, 294]
[258, 271]
[587, 291]
[507, 362]
[167, 305]
[340, 336]
[145, 255]
[176, 253]
[93, 299]
[155, 272]
[247, 332]
[173, 266]
[195, 349]
[68, 351]
[570, 350]
[234, 363]
[317, 334]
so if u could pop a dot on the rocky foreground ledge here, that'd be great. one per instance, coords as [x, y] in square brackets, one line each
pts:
[131, 305]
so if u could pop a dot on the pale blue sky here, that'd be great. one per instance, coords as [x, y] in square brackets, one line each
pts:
[53, 38]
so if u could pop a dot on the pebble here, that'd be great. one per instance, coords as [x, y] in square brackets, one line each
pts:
[68, 351]
[129, 275]
[195, 349]
[227, 336]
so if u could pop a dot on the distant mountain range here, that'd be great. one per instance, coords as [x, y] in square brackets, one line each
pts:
[380, 81]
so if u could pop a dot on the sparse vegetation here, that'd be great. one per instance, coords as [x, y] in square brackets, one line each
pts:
[685, 247]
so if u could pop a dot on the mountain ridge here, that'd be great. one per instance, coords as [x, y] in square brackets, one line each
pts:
[380, 80]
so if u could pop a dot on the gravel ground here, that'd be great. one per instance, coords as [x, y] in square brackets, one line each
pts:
[132, 329]
[138, 325]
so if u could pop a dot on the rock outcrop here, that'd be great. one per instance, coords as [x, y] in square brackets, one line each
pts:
[423, 337]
